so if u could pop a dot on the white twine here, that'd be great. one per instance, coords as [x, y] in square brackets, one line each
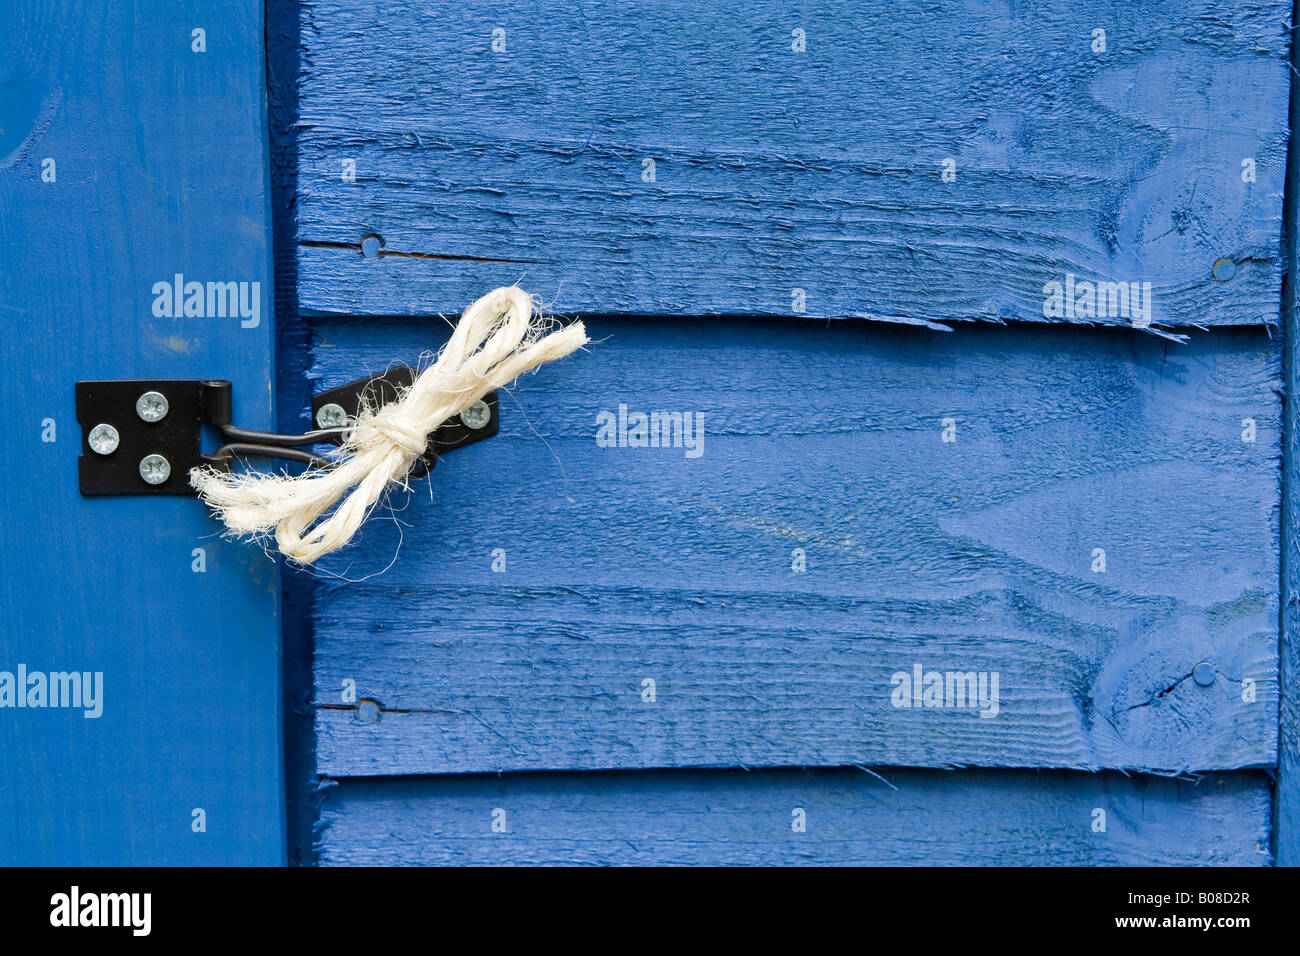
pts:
[498, 338]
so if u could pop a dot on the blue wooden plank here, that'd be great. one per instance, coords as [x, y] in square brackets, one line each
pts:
[902, 817]
[702, 157]
[1286, 830]
[293, 399]
[132, 148]
[539, 580]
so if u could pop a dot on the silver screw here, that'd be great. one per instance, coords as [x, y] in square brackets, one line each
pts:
[152, 406]
[103, 439]
[331, 416]
[476, 416]
[155, 469]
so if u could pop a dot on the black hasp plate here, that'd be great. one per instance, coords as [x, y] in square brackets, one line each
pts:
[176, 437]
[383, 389]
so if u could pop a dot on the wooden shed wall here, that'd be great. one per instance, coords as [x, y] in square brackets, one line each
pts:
[947, 492]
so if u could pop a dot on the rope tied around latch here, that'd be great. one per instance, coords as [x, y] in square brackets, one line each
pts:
[498, 338]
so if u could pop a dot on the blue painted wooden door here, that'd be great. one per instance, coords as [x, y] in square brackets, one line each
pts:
[1025, 524]
[139, 663]
[918, 502]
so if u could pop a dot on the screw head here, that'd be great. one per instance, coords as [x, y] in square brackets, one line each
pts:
[1203, 673]
[103, 439]
[152, 406]
[155, 469]
[476, 416]
[331, 416]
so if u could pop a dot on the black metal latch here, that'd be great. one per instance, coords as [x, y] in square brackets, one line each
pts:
[143, 437]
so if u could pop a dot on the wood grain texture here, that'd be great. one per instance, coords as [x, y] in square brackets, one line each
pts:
[908, 817]
[1286, 811]
[624, 564]
[293, 399]
[159, 167]
[778, 170]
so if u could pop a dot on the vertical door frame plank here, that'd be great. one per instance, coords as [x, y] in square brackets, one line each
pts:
[133, 147]
[1286, 807]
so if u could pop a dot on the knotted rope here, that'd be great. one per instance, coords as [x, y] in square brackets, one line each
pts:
[498, 338]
